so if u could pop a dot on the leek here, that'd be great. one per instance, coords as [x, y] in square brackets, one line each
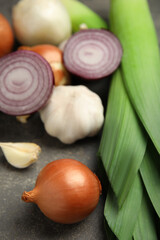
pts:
[122, 221]
[130, 142]
[145, 226]
[123, 141]
[150, 172]
[132, 23]
[81, 14]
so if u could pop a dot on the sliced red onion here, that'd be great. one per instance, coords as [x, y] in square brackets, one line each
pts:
[92, 53]
[26, 82]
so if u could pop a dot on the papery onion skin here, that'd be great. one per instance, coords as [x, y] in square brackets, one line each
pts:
[55, 58]
[66, 191]
[50, 52]
[6, 36]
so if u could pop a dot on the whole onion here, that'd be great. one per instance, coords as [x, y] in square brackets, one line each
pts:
[66, 191]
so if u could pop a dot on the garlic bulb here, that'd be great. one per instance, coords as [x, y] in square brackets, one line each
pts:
[20, 155]
[41, 21]
[72, 113]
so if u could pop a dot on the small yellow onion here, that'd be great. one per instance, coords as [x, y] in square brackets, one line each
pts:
[66, 191]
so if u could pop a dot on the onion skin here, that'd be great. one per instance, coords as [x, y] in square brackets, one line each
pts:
[50, 52]
[55, 58]
[66, 191]
[6, 36]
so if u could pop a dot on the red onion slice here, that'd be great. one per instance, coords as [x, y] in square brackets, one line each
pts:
[92, 53]
[26, 82]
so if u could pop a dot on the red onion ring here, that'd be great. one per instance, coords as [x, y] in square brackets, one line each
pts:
[92, 53]
[26, 82]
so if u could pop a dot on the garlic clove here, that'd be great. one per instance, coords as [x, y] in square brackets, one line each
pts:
[23, 119]
[20, 155]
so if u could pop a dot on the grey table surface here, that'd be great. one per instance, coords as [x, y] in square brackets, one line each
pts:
[21, 221]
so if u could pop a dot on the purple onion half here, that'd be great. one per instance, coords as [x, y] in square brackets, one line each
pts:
[92, 53]
[26, 82]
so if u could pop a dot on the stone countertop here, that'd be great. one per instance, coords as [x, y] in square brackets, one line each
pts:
[21, 221]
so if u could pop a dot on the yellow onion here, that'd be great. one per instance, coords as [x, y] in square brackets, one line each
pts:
[66, 191]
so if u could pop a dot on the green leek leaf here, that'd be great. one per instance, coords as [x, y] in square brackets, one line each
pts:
[122, 221]
[132, 23]
[150, 171]
[81, 14]
[123, 141]
[110, 235]
[145, 226]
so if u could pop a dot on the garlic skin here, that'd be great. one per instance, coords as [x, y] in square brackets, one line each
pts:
[20, 155]
[72, 113]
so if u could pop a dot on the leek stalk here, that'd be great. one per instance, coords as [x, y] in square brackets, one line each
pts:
[145, 226]
[131, 125]
[150, 172]
[122, 221]
[132, 23]
[81, 14]
[123, 142]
